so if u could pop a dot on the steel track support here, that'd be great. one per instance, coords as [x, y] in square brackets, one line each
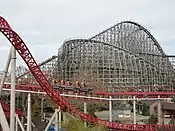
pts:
[42, 102]
[159, 111]
[29, 122]
[110, 108]
[16, 124]
[134, 109]
[19, 122]
[6, 70]
[50, 122]
[23, 103]
[60, 114]
[85, 111]
[3, 120]
[13, 83]
[56, 120]
[52, 118]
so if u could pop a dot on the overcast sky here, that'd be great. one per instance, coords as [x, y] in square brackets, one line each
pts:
[45, 24]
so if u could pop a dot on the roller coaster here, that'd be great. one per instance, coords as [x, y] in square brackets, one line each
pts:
[125, 55]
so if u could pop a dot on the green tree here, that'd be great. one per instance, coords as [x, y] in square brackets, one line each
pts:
[35, 107]
[171, 121]
[145, 109]
[152, 119]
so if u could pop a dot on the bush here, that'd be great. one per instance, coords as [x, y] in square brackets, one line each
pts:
[74, 124]
[152, 119]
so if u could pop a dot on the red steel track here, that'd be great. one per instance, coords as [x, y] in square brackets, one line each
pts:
[162, 94]
[24, 52]
[138, 94]
[6, 108]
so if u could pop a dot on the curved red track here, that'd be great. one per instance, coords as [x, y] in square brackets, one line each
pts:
[6, 107]
[24, 52]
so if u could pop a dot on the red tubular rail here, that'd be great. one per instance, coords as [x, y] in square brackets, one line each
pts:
[6, 107]
[24, 87]
[133, 93]
[24, 52]
[167, 94]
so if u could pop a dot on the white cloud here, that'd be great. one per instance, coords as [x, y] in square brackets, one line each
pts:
[45, 24]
